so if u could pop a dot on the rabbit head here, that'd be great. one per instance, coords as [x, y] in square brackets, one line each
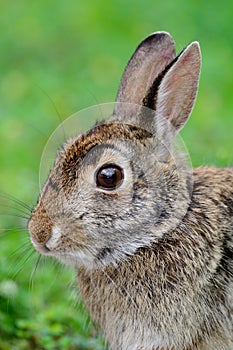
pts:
[121, 185]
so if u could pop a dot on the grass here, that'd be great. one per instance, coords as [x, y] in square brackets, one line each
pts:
[59, 57]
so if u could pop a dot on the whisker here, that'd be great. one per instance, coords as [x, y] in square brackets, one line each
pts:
[17, 209]
[34, 271]
[12, 230]
[16, 200]
[18, 229]
[55, 109]
[22, 249]
[22, 263]
[16, 215]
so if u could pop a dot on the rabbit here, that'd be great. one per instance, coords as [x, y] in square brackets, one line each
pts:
[150, 239]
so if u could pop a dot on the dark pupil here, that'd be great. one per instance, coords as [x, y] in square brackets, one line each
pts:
[109, 177]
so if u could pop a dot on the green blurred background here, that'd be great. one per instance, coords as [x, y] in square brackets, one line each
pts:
[64, 56]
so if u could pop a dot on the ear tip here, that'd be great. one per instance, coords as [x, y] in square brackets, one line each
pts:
[159, 36]
[195, 46]
[192, 50]
[161, 33]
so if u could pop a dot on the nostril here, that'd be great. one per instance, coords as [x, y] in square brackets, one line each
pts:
[45, 248]
[41, 236]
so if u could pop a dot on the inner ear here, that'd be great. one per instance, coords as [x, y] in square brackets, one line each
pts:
[177, 90]
[149, 101]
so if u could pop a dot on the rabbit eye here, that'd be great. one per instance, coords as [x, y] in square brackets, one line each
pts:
[109, 177]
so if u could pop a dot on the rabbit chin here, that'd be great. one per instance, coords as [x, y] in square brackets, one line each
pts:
[79, 258]
[82, 257]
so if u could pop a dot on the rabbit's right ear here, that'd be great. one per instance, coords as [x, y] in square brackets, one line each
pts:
[149, 59]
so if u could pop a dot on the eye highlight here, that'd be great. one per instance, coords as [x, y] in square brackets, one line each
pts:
[109, 177]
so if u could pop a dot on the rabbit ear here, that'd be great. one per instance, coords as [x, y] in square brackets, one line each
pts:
[177, 90]
[148, 61]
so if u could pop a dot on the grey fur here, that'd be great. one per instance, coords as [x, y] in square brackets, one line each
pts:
[154, 256]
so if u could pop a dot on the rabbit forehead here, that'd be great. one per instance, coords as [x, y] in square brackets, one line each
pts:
[74, 151]
[79, 147]
[69, 158]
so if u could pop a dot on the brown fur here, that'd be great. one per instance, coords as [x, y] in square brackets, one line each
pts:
[154, 256]
[189, 262]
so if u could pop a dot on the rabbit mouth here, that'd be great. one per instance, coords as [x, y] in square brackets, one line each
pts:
[81, 256]
[84, 257]
[41, 248]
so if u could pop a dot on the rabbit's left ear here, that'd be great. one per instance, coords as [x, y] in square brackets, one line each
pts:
[177, 90]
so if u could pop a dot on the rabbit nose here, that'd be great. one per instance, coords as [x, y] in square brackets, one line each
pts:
[40, 226]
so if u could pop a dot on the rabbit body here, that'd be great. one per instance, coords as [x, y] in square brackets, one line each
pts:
[177, 293]
[151, 241]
